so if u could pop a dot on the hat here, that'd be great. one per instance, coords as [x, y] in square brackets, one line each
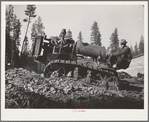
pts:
[123, 41]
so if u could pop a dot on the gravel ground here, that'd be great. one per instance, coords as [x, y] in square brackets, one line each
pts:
[27, 89]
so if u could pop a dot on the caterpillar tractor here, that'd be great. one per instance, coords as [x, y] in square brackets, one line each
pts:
[65, 57]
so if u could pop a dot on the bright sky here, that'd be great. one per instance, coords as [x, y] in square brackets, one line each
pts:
[128, 19]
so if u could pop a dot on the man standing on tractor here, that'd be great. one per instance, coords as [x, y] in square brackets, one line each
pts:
[122, 58]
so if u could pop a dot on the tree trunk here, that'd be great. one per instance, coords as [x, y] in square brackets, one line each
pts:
[24, 42]
[25, 34]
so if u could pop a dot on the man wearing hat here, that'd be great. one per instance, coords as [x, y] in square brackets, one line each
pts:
[122, 57]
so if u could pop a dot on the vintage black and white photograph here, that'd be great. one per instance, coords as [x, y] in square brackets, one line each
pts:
[76, 56]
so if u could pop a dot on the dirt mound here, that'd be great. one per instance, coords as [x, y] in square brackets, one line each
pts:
[25, 89]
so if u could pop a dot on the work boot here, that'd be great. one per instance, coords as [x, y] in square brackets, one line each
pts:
[114, 66]
[36, 60]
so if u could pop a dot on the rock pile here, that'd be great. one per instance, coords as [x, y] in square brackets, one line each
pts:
[25, 89]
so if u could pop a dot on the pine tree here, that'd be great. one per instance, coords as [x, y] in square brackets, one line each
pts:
[114, 41]
[26, 47]
[69, 34]
[80, 38]
[37, 27]
[17, 32]
[26, 51]
[13, 40]
[30, 13]
[95, 35]
[33, 30]
[9, 18]
[141, 45]
[13, 32]
[136, 52]
[132, 50]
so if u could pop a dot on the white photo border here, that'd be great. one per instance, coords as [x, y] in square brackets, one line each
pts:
[69, 114]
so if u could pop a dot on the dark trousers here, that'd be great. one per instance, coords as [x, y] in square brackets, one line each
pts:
[122, 62]
[112, 59]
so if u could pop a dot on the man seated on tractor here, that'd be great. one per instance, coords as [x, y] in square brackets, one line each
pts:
[60, 40]
[55, 40]
[122, 58]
